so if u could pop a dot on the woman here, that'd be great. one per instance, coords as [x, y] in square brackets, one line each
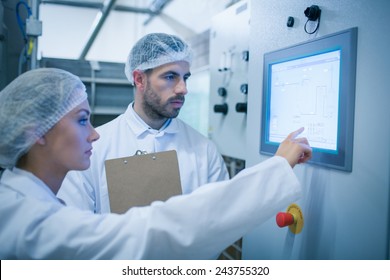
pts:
[46, 132]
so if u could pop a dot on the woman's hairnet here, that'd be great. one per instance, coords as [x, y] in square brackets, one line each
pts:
[32, 104]
[154, 50]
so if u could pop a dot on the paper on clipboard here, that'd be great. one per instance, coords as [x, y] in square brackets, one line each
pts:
[141, 179]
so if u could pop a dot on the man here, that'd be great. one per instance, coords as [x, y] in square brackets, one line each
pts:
[158, 66]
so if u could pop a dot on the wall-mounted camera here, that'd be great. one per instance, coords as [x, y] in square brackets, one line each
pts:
[313, 13]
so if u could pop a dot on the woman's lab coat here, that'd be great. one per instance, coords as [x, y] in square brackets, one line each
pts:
[35, 225]
[199, 160]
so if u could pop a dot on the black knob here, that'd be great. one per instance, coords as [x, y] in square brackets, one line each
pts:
[221, 108]
[245, 55]
[222, 91]
[244, 88]
[241, 107]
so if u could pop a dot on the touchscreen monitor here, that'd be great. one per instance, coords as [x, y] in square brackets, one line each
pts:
[312, 85]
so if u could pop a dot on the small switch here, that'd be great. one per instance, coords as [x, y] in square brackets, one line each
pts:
[245, 55]
[222, 91]
[290, 22]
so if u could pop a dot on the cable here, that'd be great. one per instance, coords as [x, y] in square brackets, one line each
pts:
[27, 49]
[315, 30]
[23, 58]
[22, 25]
[312, 13]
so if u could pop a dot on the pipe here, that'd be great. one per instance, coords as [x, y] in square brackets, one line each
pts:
[97, 25]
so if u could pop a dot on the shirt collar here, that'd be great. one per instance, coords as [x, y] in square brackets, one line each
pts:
[138, 126]
[16, 179]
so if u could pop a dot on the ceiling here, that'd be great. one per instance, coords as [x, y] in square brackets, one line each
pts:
[105, 30]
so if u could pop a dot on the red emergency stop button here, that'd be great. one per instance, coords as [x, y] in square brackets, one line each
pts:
[293, 218]
[284, 219]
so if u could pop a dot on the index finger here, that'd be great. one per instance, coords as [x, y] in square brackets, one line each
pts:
[295, 133]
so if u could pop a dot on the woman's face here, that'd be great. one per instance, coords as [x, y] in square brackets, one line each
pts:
[70, 140]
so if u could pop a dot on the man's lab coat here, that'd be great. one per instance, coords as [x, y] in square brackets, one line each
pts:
[199, 160]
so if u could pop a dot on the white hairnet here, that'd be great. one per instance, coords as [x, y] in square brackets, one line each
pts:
[32, 104]
[154, 50]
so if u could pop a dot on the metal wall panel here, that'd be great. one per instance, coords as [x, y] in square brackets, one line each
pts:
[346, 215]
[229, 43]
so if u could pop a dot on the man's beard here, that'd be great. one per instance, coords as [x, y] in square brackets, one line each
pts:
[155, 110]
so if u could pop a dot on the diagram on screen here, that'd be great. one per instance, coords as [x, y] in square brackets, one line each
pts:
[305, 93]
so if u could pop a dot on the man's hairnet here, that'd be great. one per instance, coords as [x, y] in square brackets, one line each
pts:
[32, 104]
[154, 50]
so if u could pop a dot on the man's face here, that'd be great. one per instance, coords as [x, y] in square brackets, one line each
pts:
[165, 90]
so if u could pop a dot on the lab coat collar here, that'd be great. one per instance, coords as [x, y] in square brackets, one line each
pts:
[27, 184]
[139, 127]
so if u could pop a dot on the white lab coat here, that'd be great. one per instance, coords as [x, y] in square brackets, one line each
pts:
[35, 225]
[199, 160]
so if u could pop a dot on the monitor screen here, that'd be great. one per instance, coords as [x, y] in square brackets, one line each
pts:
[312, 85]
[305, 93]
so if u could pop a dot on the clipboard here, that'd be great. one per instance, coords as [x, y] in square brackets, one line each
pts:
[141, 179]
